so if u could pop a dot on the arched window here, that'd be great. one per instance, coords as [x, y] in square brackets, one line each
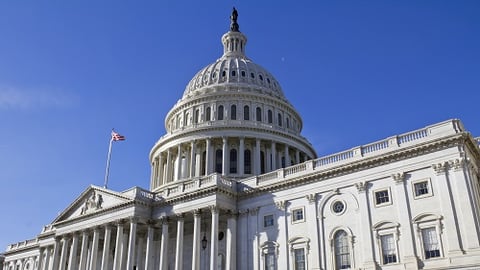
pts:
[259, 114]
[247, 161]
[233, 112]
[196, 116]
[270, 116]
[185, 121]
[204, 162]
[246, 112]
[218, 161]
[262, 162]
[342, 250]
[220, 112]
[279, 119]
[208, 114]
[233, 161]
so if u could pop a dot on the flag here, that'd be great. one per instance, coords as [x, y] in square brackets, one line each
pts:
[117, 137]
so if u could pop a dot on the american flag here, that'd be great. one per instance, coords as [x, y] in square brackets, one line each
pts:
[117, 137]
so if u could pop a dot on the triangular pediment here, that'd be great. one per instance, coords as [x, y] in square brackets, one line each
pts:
[92, 200]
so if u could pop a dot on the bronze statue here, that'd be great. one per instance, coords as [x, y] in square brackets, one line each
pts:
[233, 21]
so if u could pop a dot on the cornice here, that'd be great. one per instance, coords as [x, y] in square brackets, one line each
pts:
[360, 165]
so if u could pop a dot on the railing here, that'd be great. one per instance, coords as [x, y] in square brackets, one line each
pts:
[446, 128]
[193, 184]
[26, 243]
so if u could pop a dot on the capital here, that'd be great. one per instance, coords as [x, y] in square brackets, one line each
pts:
[281, 205]
[361, 186]
[311, 197]
[398, 177]
[440, 168]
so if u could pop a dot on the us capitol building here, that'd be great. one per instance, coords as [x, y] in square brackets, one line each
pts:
[234, 185]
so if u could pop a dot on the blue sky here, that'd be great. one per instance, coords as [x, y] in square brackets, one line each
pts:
[357, 71]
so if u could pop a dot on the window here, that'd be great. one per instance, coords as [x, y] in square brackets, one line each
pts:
[279, 119]
[270, 261]
[224, 73]
[268, 221]
[247, 161]
[269, 251]
[243, 73]
[388, 249]
[218, 161]
[208, 114]
[297, 215]
[234, 73]
[382, 197]
[338, 207]
[233, 112]
[288, 122]
[299, 259]
[220, 112]
[270, 116]
[233, 161]
[197, 116]
[246, 113]
[261, 77]
[252, 75]
[422, 188]
[262, 162]
[430, 243]
[258, 114]
[342, 250]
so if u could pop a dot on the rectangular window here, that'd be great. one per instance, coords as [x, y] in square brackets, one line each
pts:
[421, 188]
[382, 197]
[430, 243]
[269, 261]
[388, 249]
[268, 221]
[297, 215]
[299, 259]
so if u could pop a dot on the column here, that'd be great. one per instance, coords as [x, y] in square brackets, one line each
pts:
[179, 247]
[46, 264]
[208, 160]
[149, 250]
[179, 162]
[168, 175]
[41, 259]
[225, 157]
[196, 240]
[274, 156]
[160, 175]
[365, 226]
[106, 247]
[56, 253]
[241, 156]
[193, 158]
[117, 260]
[311, 209]
[131, 243]
[214, 238]
[83, 251]
[450, 217]
[257, 157]
[72, 262]
[465, 209]
[231, 256]
[164, 244]
[63, 254]
[297, 156]
[287, 156]
[139, 260]
[94, 258]
[406, 232]
[153, 174]
[253, 233]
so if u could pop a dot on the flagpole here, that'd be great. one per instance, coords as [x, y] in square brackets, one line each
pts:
[107, 170]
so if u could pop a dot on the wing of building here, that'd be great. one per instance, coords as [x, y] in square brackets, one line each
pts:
[235, 186]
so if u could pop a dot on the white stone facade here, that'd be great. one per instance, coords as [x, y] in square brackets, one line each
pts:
[235, 186]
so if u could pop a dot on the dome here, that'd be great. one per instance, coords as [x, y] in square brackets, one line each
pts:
[233, 119]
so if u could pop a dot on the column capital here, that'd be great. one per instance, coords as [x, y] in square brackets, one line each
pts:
[232, 214]
[253, 211]
[134, 219]
[214, 209]
[399, 178]
[361, 186]
[311, 198]
[281, 205]
[164, 220]
[151, 222]
[242, 212]
[457, 164]
[440, 168]
[180, 216]
[197, 212]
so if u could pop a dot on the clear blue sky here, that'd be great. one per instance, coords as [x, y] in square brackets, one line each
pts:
[357, 71]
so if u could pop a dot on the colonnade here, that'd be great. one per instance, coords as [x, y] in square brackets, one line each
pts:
[232, 156]
[131, 244]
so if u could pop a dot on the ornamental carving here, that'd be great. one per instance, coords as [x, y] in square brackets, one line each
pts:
[91, 204]
[398, 177]
[457, 164]
[361, 186]
[440, 168]
[311, 198]
[281, 205]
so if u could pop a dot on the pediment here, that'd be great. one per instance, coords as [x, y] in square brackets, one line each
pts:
[92, 200]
